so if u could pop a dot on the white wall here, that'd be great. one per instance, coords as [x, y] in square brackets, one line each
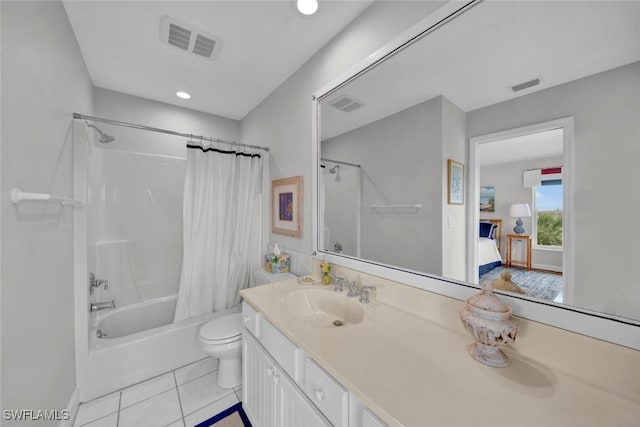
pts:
[605, 108]
[507, 180]
[404, 161]
[132, 109]
[283, 120]
[44, 80]
[393, 176]
[454, 228]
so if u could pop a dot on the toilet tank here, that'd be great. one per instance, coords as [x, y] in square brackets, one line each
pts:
[262, 277]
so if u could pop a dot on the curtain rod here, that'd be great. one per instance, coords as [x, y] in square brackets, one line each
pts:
[338, 161]
[169, 132]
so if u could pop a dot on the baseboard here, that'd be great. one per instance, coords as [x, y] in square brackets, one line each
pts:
[544, 267]
[72, 407]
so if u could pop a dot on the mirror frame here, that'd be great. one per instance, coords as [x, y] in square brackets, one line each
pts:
[609, 328]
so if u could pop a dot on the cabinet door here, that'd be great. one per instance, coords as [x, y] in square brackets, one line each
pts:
[259, 389]
[294, 409]
[371, 420]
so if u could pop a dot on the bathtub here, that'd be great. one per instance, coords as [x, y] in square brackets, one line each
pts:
[134, 318]
[140, 344]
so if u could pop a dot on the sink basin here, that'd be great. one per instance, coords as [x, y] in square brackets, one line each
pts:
[323, 308]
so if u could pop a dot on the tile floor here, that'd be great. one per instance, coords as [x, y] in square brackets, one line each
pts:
[180, 398]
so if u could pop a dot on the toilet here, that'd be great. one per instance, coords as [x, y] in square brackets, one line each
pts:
[222, 337]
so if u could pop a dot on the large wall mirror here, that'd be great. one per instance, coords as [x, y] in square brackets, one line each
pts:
[538, 106]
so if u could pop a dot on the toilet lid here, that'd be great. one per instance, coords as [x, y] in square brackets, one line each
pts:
[225, 328]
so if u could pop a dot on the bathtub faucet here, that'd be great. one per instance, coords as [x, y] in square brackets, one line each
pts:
[97, 306]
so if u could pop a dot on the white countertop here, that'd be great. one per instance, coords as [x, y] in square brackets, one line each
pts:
[413, 372]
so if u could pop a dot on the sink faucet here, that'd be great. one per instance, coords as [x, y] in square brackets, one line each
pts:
[353, 289]
[364, 293]
[97, 306]
[338, 284]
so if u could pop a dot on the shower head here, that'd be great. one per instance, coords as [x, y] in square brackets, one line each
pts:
[336, 170]
[104, 138]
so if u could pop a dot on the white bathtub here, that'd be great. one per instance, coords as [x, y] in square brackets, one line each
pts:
[131, 353]
[135, 318]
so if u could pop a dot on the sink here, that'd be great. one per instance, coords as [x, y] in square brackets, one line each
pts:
[323, 308]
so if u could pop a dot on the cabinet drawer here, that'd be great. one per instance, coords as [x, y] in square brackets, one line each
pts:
[250, 319]
[326, 393]
[286, 353]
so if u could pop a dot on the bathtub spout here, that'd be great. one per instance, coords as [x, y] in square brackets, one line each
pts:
[96, 306]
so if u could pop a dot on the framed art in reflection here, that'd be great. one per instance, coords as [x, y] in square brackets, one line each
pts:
[455, 182]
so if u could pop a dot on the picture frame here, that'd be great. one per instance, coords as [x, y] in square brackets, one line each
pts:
[455, 182]
[286, 206]
[487, 198]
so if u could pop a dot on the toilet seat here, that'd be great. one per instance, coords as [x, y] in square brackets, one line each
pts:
[222, 330]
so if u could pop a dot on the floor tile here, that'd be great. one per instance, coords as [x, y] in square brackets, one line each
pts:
[97, 408]
[210, 410]
[179, 423]
[139, 392]
[159, 410]
[201, 392]
[108, 421]
[195, 370]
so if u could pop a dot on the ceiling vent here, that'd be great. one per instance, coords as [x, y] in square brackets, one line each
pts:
[525, 85]
[189, 39]
[346, 104]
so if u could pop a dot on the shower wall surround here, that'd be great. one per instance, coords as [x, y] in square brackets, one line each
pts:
[135, 223]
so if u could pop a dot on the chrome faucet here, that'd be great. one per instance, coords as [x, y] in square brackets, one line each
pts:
[338, 285]
[96, 283]
[353, 289]
[364, 293]
[97, 306]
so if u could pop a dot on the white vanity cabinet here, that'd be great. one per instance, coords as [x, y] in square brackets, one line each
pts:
[282, 387]
[369, 419]
[270, 396]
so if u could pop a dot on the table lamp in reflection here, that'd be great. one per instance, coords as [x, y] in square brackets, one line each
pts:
[519, 210]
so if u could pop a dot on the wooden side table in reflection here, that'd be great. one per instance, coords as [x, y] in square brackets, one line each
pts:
[527, 239]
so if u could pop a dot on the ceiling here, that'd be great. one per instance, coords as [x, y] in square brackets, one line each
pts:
[539, 145]
[263, 43]
[474, 59]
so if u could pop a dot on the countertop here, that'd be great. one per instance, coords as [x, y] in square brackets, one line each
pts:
[413, 372]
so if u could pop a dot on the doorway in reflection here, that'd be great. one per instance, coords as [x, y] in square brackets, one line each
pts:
[521, 188]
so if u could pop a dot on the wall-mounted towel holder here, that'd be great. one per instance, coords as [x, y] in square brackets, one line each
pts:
[417, 206]
[18, 196]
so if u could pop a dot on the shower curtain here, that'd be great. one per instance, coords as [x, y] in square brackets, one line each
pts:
[221, 228]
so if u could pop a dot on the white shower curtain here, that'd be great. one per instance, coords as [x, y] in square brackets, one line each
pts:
[221, 223]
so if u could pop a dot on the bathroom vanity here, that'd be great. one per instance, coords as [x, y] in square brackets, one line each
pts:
[404, 367]
[284, 386]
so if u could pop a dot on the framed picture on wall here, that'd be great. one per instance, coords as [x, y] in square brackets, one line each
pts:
[487, 199]
[455, 182]
[286, 206]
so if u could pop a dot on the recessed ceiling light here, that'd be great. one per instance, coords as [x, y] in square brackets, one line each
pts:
[307, 7]
[183, 95]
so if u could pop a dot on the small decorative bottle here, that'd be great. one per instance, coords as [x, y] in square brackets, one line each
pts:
[325, 268]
